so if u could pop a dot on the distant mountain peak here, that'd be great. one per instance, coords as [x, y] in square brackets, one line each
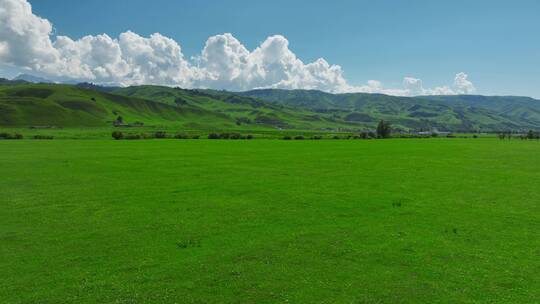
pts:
[32, 78]
[96, 87]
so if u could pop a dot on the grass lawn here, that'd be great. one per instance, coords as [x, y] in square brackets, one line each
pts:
[270, 221]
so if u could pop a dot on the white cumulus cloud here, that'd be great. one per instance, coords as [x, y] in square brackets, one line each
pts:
[27, 42]
[462, 85]
[25, 37]
[230, 65]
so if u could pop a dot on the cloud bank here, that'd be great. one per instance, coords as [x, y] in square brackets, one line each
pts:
[27, 42]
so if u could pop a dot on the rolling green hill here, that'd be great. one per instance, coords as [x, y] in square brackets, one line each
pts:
[461, 112]
[242, 109]
[526, 110]
[71, 106]
[85, 105]
[23, 104]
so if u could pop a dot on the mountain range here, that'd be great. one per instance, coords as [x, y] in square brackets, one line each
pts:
[87, 105]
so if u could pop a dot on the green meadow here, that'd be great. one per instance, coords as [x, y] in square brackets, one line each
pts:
[270, 221]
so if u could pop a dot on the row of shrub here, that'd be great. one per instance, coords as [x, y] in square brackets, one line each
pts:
[43, 137]
[368, 135]
[11, 136]
[529, 135]
[162, 135]
[361, 135]
[159, 135]
[229, 136]
[5, 135]
[301, 137]
[434, 135]
[319, 137]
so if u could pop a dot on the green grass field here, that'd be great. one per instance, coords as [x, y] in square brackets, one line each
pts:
[269, 221]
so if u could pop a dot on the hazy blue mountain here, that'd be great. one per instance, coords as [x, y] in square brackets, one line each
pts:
[32, 78]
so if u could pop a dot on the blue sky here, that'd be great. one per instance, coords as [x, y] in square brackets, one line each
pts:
[497, 43]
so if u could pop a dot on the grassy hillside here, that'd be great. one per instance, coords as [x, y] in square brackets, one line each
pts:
[525, 110]
[243, 109]
[443, 112]
[389, 221]
[86, 105]
[70, 106]
[23, 104]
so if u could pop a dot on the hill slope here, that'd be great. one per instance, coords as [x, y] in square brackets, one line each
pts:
[242, 109]
[86, 105]
[525, 110]
[462, 112]
[70, 106]
[23, 104]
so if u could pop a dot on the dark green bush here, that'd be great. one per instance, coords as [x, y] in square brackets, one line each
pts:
[316, 137]
[299, 137]
[213, 136]
[117, 135]
[43, 137]
[195, 137]
[11, 136]
[235, 136]
[181, 136]
[160, 134]
[286, 137]
[249, 136]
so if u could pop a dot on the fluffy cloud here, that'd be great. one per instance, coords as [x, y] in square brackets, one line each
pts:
[26, 41]
[230, 65]
[462, 85]
[413, 86]
[24, 37]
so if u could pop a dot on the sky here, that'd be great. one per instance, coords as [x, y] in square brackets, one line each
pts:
[413, 47]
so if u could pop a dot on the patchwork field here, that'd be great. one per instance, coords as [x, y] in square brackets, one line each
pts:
[269, 221]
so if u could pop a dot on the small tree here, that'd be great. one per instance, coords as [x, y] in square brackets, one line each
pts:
[530, 134]
[384, 129]
[120, 119]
